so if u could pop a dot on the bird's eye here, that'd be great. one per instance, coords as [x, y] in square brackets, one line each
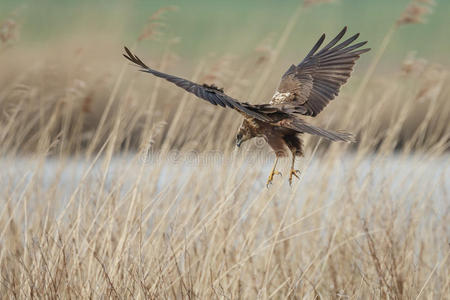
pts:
[239, 136]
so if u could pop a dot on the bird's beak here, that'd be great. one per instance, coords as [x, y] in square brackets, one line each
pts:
[238, 143]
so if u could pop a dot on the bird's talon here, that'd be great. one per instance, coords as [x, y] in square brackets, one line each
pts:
[270, 179]
[294, 173]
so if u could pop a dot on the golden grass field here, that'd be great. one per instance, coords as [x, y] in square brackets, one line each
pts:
[115, 184]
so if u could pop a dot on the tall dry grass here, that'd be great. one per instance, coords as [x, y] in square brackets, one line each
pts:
[116, 185]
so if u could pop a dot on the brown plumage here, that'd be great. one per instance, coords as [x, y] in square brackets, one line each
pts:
[305, 89]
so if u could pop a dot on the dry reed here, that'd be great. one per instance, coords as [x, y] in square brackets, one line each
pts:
[120, 186]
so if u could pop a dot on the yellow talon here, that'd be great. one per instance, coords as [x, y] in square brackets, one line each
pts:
[272, 174]
[293, 173]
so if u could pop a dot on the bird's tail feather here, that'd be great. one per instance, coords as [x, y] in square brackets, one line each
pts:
[303, 127]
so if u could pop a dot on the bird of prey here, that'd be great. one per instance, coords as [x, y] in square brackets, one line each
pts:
[304, 90]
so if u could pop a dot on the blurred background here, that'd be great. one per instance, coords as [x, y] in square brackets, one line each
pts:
[205, 27]
[67, 55]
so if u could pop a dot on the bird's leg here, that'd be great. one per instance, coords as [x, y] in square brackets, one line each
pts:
[293, 170]
[273, 172]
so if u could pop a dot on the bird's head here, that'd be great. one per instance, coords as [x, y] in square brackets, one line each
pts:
[244, 133]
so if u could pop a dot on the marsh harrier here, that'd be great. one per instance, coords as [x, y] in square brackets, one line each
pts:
[304, 90]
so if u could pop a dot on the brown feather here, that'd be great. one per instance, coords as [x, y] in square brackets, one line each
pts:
[316, 81]
[211, 94]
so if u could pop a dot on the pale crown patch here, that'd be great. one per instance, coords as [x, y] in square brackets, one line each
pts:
[280, 97]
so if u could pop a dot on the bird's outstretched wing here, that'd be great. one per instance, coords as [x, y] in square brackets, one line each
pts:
[210, 93]
[308, 87]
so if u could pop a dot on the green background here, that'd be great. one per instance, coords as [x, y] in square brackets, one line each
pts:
[234, 26]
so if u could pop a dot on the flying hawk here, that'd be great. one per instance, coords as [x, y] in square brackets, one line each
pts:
[304, 90]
